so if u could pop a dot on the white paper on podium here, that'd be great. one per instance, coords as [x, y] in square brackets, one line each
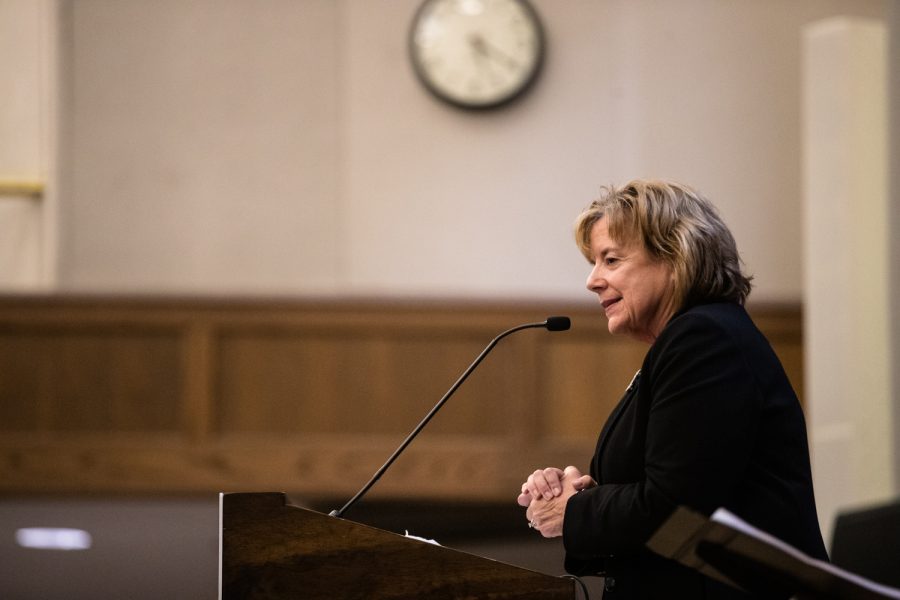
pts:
[421, 539]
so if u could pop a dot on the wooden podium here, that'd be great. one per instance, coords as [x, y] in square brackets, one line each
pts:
[270, 549]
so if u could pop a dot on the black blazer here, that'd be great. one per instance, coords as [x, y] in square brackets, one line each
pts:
[711, 421]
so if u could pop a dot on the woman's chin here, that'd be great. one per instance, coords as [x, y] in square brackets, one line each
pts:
[616, 327]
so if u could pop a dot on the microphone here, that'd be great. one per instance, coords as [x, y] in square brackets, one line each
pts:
[551, 324]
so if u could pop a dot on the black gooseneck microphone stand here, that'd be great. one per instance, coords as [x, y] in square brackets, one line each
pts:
[551, 324]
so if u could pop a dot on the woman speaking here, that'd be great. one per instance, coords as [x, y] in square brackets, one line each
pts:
[709, 421]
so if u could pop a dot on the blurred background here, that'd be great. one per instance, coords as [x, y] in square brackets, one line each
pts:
[242, 248]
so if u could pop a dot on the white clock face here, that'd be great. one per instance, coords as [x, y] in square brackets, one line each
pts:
[476, 53]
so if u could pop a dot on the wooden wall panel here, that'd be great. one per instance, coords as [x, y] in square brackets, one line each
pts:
[291, 381]
[590, 378]
[89, 380]
[201, 395]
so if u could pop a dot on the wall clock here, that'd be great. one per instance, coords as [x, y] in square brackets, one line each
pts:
[476, 53]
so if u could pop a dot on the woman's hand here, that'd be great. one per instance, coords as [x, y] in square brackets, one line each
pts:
[546, 493]
[543, 483]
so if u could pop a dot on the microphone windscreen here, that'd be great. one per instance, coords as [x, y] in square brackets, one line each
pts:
[558, 323]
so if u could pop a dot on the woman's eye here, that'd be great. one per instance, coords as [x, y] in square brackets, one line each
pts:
[610, 261]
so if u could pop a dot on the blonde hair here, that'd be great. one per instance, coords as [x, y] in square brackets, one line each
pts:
[677, 225]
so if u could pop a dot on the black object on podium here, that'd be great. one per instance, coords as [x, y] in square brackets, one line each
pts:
[273, 550]
[727, 548]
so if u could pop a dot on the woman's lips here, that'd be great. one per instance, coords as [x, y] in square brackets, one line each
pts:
[607, 303]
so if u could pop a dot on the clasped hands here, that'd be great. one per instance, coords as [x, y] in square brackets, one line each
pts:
[545, 494]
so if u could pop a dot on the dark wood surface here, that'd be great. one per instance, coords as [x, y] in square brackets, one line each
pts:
[272, 550]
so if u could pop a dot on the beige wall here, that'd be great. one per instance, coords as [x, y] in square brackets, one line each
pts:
[285, 147]
[27, 144]
[894, 223]
[200, 153]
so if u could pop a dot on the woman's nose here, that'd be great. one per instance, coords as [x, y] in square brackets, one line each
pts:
[595, 280]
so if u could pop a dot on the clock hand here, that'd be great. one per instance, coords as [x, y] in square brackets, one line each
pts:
[487, 50]
[486, 65]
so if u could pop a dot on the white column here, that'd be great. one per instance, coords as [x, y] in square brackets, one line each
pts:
[846, 254]
[28, 127]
